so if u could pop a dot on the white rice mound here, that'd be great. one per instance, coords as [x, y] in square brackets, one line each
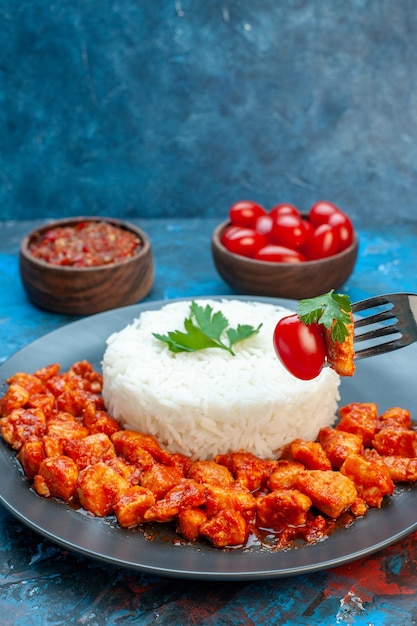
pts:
[209, 402]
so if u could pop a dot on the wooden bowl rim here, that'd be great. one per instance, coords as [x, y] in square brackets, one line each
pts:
[68, 221]
[317, 262]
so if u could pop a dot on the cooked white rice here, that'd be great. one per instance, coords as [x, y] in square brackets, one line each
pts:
[210, 402]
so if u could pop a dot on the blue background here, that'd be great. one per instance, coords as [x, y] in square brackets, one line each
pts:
[157, 108]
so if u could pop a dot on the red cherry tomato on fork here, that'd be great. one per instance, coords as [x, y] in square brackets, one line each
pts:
[300, 347]
[243, 241]
[245, 213]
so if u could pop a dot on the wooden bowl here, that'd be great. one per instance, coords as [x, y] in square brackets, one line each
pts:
[282, 280]
[86, 290]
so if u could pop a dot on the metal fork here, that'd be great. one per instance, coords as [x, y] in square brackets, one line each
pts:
[386, 323]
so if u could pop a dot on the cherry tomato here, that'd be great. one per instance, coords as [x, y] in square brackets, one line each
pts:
[343, 226]
[264, 226]
[289, 230]
[309, 228]
[322, 243]
[278, 254]
[245, 213]
[321, 211]
[243, 241]
[300, 347]
[284, 209]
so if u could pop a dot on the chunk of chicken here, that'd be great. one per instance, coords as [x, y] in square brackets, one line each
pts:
[43, 401]
[341, 354]
[160, 479]
[131, 505]
[371, 479]
[15, 397]
[187, 494]
[65, 427]
[139, 448]
[248, 470]
[331, 493]
[57, 477]
[90, 450]
[396, 441]
[190, 521]
[22, 425]
[98, 421]
[338, 444]
[227, 528]
[99, 487]
[285, 475]
[132, 473]
[282, 507]
[31, 382]
[401, 469]
[31, 455]
[360, 418]
[232, 497]
[395, 416]
[310, 453]
[210, 472]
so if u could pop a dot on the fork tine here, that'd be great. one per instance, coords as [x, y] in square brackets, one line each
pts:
[381, 348]
[382, 331]
[374, 319]
[370, 303]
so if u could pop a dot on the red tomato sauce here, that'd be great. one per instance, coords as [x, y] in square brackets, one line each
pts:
[85, 244]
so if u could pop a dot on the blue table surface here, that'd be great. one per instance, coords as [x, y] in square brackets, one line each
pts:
[41, 583]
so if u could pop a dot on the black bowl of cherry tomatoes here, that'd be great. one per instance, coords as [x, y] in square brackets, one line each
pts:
[284, 252]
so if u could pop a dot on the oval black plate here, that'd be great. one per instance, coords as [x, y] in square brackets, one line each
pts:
[388, 380]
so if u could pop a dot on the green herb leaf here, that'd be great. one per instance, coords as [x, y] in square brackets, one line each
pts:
[204, 329]
[327, 309]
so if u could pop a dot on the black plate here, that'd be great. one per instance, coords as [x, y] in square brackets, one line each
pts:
[389, 380]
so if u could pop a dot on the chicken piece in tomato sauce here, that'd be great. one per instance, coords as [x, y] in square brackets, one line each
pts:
[210, 472]
[310, 453]
[248, 470]
[57, 477]
[231, 497]
[395, 416]
[331, 492]
[360, 418]
[338, 444]
[187, 493]
[22, 425]
[400, 468]
[285, 474]
[396, 441]
[227, 528]
[131, 505]
[160, 479]
[190, 521]
[90, 450]
[372, 480]
[31, 455]
[99, 487]
[281, 508]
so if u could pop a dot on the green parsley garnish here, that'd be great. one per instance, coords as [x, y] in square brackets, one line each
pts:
[204, 329]
[327, 309]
